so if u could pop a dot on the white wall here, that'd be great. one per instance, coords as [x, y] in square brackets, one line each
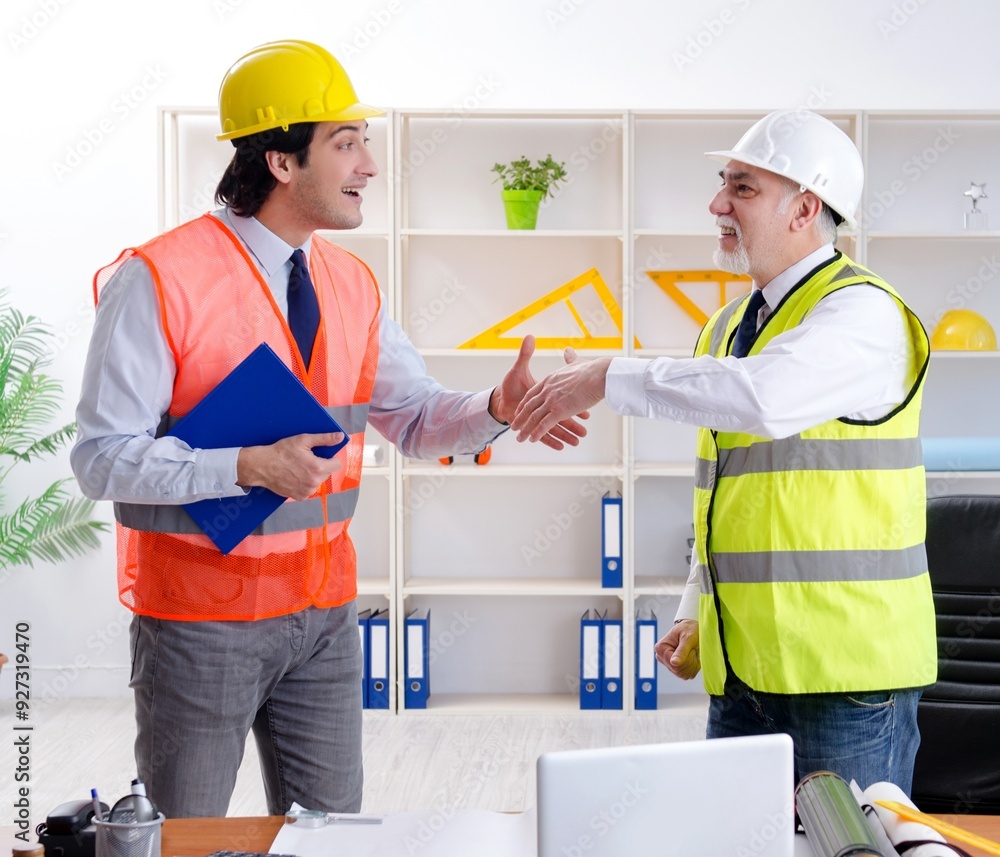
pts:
[81, 82]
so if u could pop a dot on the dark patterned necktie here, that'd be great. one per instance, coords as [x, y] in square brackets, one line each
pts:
[748, 324]
[303, 308]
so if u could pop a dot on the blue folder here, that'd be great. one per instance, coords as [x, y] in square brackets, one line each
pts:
[364, 633]
[645, 662]
[258, 403]
[378, 659]
[591, 660]
[611, 542]
[611, 671]
[417, 658]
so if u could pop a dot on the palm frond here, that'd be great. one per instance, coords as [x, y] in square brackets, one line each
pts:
[67, 531]
[18, 529]
[25, 411]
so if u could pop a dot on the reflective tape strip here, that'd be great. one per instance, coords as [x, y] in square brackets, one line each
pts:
[797, 453]
[719, 328]
[287, 518]
[704, 579]
[351, 418]
[820, 566]
[704, 473]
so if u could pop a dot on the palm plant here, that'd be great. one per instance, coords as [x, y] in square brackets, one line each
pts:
[54, 525]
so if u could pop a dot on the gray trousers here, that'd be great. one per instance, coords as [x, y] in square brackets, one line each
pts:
[200, 687]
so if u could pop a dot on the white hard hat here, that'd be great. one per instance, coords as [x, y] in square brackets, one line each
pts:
[808, 149]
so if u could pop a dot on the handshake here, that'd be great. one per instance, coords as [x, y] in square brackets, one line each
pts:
[549, 410]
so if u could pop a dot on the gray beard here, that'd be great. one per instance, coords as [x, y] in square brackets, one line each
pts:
[735, 261]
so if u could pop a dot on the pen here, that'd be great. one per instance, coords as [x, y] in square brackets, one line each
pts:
[97, 805]
[959, 833]
[333, 818]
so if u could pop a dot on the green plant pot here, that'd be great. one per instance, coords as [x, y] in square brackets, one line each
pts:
[521, 207]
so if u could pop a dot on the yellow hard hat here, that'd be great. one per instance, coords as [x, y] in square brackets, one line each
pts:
[963, 330]
[280, 83]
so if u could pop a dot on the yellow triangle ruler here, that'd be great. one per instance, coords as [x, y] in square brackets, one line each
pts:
[669, 280]
[495, 336]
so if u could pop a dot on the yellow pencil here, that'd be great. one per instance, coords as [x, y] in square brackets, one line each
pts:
[966, 836]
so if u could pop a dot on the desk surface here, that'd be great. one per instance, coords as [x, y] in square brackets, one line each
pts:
[196, 837]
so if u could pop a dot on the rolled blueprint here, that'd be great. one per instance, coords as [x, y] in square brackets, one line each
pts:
[899, 829]
[832, 818]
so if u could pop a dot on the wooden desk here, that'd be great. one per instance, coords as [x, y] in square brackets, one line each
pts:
[196, 837]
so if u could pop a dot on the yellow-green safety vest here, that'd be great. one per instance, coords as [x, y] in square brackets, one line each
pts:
[811, 547]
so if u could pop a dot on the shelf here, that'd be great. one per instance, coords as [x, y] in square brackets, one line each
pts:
[672, 469]
[494, 703]
[985, 235]
[666, 586]
[519, 586]
[529, 234]
[374, 586]
[500, 471]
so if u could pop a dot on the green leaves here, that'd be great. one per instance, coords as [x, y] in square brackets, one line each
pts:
[54, 525]
[521, 175]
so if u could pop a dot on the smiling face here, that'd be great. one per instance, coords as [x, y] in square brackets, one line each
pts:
[327, 191]
[752, 209]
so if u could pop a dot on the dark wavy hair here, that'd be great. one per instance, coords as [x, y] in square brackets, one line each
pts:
[247, 181]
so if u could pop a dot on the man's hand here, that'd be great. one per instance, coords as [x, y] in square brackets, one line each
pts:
[289, 467]
[506, 398]
[678, 650]
[572, 389]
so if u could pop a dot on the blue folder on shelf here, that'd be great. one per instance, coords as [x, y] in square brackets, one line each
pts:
[591, 657]
[378, 659]
[645, 662]
[363, 632]
[611, 673]
[611, 542]
[258, 403]
[417, 657]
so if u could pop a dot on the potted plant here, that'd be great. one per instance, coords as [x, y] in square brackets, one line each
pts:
[53, 525]
[525, 186]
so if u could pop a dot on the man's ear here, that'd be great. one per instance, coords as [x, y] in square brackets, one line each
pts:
[279, 163]
[807, 209]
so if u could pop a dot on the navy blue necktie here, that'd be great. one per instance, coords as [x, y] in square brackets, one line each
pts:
[748, 324]
[303, 308]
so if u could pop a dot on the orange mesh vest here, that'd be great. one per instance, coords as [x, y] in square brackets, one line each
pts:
[215, 309]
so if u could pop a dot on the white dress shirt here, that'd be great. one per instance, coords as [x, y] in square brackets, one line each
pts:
[850, 356]
[128, 386]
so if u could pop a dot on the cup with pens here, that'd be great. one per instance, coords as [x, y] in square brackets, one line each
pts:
[131, 828]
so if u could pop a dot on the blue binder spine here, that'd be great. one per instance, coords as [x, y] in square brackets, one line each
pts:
[590, 661]
[378, 659]
[611, 542]
[611, 679]
[645, 663]
[417, 656]
[363, 633]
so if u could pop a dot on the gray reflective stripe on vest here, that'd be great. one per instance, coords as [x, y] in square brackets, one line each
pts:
[351, 418]
[704, 579]
[819, 566]
[797, 453]
[719, 329]
[704, 473]
[287, 518]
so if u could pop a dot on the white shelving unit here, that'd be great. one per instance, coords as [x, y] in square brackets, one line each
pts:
[507, 555]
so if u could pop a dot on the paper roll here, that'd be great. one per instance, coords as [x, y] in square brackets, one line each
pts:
[898, 829]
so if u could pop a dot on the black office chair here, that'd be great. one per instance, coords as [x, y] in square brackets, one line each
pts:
[958, 764]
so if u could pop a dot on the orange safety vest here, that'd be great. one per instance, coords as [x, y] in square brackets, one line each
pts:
[215, 309]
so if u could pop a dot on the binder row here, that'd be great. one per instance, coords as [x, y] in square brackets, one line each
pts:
[373, 629]
[601, 662]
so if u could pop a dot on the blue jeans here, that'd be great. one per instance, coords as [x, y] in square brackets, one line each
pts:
[200, 687]
[867, 737]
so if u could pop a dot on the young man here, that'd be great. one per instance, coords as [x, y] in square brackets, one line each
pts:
[265, 637]
[808, 608]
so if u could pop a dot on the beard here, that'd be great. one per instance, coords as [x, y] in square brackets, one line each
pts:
[734, 261]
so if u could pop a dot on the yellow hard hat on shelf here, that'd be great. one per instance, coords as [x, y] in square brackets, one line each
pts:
[281, 83]
[963, 330]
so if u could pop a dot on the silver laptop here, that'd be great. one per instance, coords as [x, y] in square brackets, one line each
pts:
[727, 796]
